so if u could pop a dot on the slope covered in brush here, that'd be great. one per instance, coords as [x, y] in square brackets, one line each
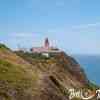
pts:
[60, 65]
[28, 76]
[17, 79]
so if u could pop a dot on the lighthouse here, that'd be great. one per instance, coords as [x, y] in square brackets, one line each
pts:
[46, 43]
[46, 49]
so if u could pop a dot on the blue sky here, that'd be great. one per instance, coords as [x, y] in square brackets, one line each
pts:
[72, 25]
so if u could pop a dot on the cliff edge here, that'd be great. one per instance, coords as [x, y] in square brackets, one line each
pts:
[28, 76]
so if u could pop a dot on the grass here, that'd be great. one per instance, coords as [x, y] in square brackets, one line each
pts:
[16, 78]
[15, 75]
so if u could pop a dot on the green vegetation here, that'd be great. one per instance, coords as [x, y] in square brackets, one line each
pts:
[37, 56]
[92, 86]
[15, 75]
[2, 46]
[17, 78]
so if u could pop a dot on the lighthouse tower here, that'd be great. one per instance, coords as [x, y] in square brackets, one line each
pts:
[46, 43]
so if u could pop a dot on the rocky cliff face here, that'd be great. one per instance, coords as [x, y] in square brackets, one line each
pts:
[27, 76]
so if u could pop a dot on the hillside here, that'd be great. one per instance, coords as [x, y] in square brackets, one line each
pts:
[27, 76]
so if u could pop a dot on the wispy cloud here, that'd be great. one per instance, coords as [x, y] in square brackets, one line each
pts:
[86, 28]
[83, 26]
[23, 34]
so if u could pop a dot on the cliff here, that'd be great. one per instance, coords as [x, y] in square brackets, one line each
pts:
[27, 76]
